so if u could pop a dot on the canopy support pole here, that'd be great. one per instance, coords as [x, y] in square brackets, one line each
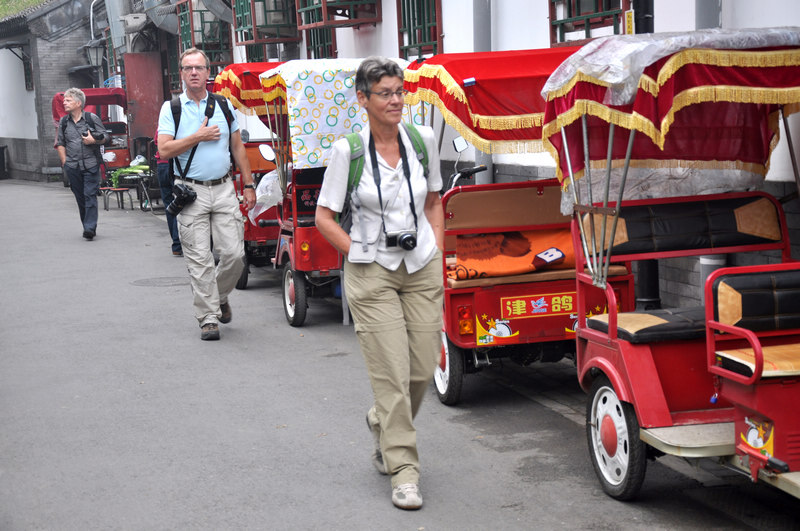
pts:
[576, 201]
[588, 177]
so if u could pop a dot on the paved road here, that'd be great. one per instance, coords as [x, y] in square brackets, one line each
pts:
[114, 415]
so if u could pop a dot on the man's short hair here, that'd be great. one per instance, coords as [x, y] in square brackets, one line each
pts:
[372, 69]
[191, 51]
[77, 95]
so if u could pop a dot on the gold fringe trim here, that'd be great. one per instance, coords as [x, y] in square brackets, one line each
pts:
[578, 77]
[487, 146]
[704, 56]
[494, 122]
[735, 58]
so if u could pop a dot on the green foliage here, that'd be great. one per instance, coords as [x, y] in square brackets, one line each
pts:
[14, 7]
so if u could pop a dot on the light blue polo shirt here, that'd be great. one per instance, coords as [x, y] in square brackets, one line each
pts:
[212, 159]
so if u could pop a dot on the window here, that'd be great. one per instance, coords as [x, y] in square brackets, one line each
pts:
[418, 27]
[576, 21]
[321, 43]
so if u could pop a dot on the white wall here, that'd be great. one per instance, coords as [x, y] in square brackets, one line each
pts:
[520, 25]
[674, 15]
[18, 117]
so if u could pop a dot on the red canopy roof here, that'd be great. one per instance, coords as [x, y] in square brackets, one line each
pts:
[94, 97]
[491, 98]
[240, 83]
[697, 108]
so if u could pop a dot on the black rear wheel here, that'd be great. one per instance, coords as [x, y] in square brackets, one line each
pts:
[295, 298]
[450, 378]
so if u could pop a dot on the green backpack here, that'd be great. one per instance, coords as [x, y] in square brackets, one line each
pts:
[357, 166]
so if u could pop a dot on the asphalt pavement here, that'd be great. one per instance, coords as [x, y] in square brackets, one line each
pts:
[115, 415]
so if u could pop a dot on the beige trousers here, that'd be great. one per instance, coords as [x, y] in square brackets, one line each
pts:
[214, 214]
[398, 321]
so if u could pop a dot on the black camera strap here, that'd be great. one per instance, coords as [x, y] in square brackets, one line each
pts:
[210, 108]
[376, 174]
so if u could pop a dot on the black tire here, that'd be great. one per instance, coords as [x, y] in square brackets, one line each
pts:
[295, 299]
[242, 282]
[612, 431]
[450, 379]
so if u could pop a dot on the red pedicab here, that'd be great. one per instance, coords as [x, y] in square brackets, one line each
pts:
[241, 85]
[699, 114]
[509, 274]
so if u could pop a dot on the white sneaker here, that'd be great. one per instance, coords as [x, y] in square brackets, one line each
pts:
[407, 496]
[377, 456]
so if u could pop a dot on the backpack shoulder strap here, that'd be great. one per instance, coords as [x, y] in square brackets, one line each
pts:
[419, 146]
[63, 124]
[226, 111]
[356, 161]
[175, 107]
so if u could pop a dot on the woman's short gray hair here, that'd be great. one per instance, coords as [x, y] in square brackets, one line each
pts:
[372, 69]
[77, 95]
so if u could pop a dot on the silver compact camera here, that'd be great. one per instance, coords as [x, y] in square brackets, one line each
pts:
[405, 239]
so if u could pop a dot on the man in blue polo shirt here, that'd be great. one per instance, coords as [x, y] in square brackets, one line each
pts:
[201, 146]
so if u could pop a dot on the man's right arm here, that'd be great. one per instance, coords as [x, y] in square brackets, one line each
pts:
[169, 147]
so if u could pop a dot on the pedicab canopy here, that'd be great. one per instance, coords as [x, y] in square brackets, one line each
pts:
[704, 107]
[94, 97]
[240, 83]
[316, 105]
[490, 98]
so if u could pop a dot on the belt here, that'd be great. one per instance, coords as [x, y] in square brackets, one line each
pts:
[205, 183]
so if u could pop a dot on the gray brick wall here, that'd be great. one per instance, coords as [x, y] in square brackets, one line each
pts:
[51, 60]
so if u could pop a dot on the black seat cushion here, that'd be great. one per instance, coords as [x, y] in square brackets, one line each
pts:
[655, 325]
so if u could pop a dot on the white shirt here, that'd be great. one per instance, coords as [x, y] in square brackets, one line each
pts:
[394, 192]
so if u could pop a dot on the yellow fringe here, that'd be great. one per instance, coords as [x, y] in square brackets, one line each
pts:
[486, 146]
[579, 76]
[494, 122]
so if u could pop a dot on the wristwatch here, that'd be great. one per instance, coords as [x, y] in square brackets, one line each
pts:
[251, 186]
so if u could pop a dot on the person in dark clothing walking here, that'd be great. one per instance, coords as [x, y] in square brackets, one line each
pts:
[80, 135]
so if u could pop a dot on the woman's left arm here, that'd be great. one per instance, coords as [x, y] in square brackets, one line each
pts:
[435, 215]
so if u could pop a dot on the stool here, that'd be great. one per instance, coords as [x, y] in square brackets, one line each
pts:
[120, 193]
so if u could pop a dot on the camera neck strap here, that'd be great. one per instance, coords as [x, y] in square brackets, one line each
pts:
[376, 174]
[210, 108]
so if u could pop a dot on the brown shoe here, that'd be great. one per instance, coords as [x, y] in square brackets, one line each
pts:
[209, 332]
[227, 313]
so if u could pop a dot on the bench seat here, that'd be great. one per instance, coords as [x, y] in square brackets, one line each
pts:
[655, 325]
[779, 360]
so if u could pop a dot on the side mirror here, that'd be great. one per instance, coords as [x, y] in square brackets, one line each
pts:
[459, 144]
[245, 135]
[266, 151]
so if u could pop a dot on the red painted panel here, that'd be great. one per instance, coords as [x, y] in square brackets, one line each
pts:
[143, 84]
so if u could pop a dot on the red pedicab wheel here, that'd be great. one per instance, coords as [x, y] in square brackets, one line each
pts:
[295, 300]
[449, 373]
[618, 454]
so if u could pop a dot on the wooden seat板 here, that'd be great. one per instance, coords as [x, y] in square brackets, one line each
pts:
[779, 360]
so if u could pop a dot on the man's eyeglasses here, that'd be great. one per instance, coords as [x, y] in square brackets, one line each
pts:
[387, 94]
[193, 68]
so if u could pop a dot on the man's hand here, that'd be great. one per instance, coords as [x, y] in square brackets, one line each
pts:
[249, 198]
[88, 139]
[206, 133]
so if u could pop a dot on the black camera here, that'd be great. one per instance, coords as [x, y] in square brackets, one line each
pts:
[183, 196]
[405, 239]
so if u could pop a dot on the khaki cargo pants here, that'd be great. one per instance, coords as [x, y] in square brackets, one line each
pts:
[398, 321]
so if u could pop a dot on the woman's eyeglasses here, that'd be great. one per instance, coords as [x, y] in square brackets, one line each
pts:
[387, 94]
